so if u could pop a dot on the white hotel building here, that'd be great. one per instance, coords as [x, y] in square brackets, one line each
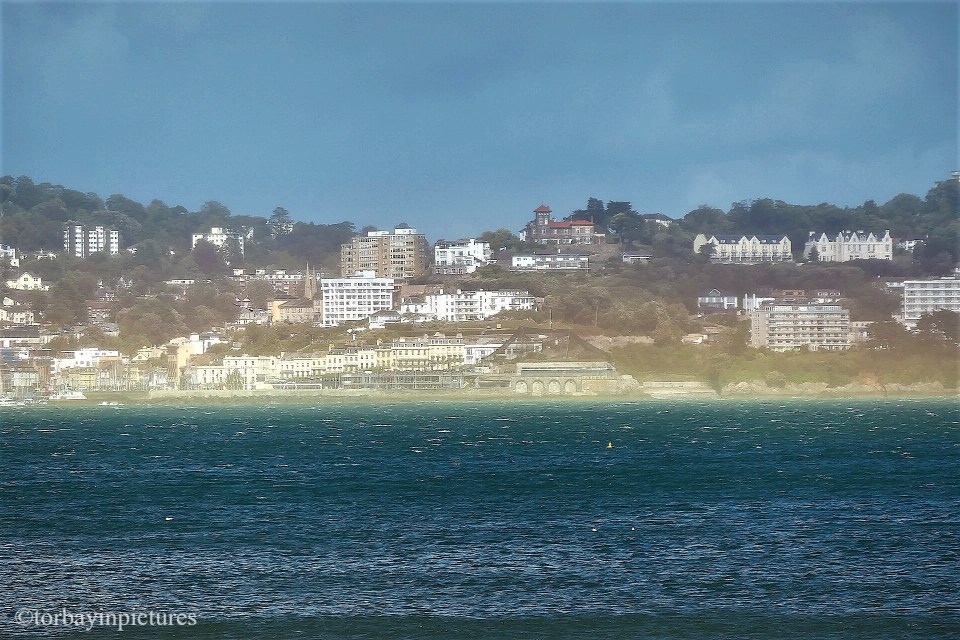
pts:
[467, 306]
[734, 249]
[356, 298]
[921, 297]
[850, 245]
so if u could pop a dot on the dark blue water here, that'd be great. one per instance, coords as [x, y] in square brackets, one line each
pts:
[824, 519]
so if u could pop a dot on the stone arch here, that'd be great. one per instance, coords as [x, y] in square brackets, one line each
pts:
[521, 386]
[553, 386]
[569, 386]
[537, 388]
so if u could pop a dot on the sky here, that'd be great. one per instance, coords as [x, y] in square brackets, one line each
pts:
[462, 117]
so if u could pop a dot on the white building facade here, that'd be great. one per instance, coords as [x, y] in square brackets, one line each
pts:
[80, 241]
[26, 281]
[784, 327]
[850, 245]
[734, 249]
[356, 298]
[84, 358]
[10, 254]
[461, 256]
[921, 297]
[468, 306]
[218, 237]
[550, 262]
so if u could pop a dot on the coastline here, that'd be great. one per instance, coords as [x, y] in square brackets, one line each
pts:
[742, 391]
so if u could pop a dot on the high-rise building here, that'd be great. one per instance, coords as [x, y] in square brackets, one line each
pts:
[81, 242]
[354, 298]
[400, 254]
[922, 297]
[783, 327]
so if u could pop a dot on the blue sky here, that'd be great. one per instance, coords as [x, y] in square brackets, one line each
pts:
[458, 118]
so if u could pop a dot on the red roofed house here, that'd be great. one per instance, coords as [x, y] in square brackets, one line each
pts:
[543, 229]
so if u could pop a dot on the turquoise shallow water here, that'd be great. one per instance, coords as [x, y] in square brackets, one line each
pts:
[836, 519]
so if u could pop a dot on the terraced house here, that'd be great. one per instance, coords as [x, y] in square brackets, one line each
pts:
[733, 249]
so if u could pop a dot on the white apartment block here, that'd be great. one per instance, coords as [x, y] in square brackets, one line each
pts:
[461, 256]
[921, 297]
[550, 262]
[468, 306]
[733, 249]
[218, 237]
[783, 327]
[850, 245]
[80, 241]
[356, 298]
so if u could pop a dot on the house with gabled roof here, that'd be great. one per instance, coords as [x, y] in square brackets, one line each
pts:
[850, 245]
[743, 249]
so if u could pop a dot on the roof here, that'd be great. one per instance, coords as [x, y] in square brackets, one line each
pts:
[566, 224]
[297, 304]
[763, 239]
[543, 209]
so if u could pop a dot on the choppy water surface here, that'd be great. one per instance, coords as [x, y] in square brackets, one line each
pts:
[751, 519]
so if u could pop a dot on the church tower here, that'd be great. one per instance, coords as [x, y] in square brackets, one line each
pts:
[308, 284]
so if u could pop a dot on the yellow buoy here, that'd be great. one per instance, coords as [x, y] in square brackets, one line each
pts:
[609, 445]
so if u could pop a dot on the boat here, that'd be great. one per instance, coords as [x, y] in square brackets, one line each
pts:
[110, 403]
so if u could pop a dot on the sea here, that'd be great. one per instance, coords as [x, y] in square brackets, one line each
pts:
[793, 518]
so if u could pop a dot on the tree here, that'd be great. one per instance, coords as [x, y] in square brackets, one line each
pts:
[704, 219]
[940, 326]
[814, 255]
[630, 227]
[207, 257]
[706, 252]
[260, 293]
[125, 205]
[214, 209]
[501, 239]
[280, 222]
[889, 335]
[231, 252]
